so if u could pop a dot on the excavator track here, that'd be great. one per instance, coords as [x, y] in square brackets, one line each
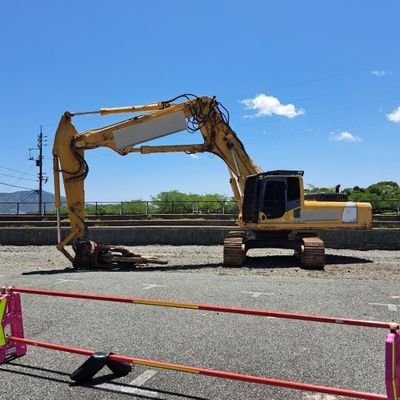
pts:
[234, 249]
[311, 252]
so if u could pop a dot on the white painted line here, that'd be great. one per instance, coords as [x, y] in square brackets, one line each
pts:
[132, 387]
[318, 396]
[66, 280]
[395, 297]
[148, 286]
[143, 378]
[257, 294]
[391, 307]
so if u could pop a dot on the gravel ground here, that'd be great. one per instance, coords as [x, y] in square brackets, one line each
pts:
[340, 264]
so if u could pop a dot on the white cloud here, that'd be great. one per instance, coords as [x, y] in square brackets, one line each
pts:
[194, 156]
[394, 116]
[268, 105]
[344, 137]
[378, 73]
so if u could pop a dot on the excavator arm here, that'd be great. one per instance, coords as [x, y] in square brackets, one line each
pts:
[202, 114]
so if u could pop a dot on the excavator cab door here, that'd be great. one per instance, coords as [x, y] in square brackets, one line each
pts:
[273, 200]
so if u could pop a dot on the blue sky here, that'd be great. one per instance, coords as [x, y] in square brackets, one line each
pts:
[311, 85]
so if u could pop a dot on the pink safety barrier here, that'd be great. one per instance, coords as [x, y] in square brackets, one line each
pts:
[11, 324]
[392, 365]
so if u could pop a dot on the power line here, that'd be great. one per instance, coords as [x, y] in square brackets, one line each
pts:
[15, 170]
[18, 177]
[28, 196]
[16, 186]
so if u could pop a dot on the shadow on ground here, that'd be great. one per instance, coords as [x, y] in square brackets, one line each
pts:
[288, 261]
[265, 262]
[119, 388]
[139, 268]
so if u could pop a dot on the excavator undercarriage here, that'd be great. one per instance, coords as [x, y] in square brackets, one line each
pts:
[308, 248]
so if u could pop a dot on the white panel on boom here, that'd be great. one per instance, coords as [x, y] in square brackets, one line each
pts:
[155, 128]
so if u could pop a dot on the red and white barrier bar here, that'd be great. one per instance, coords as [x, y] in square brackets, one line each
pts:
[210, 372]
[206, 307]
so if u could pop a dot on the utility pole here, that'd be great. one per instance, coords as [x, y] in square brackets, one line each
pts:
[39, 164]
[40, 146]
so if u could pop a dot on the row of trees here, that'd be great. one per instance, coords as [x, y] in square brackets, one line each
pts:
[171, 202]
[384, 196]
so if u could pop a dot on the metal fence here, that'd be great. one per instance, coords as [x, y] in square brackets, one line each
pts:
[391, 206]
[162, 207]
[127, 207]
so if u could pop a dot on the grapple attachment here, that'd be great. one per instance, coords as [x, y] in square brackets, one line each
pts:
[91, 255]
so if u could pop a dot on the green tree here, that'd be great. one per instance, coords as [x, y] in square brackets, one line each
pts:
[316, 189]
[175, 201]
[134, 207]
[385, 192]
[171, 202]
[385, 189]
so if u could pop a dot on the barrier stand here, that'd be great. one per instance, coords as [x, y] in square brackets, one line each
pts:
[10, 322]
[392, 365]
[392, 344]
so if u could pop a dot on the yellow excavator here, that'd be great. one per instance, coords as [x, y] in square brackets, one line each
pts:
[274, 211]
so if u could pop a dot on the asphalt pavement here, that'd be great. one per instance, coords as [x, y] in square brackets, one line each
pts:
[309, 352]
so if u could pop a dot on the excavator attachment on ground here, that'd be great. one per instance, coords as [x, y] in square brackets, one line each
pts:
[91, 255]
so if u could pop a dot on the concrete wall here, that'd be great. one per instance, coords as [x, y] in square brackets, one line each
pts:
[388, 239]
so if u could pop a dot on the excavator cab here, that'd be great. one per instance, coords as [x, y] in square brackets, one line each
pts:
[272, 199]
[269, 195]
